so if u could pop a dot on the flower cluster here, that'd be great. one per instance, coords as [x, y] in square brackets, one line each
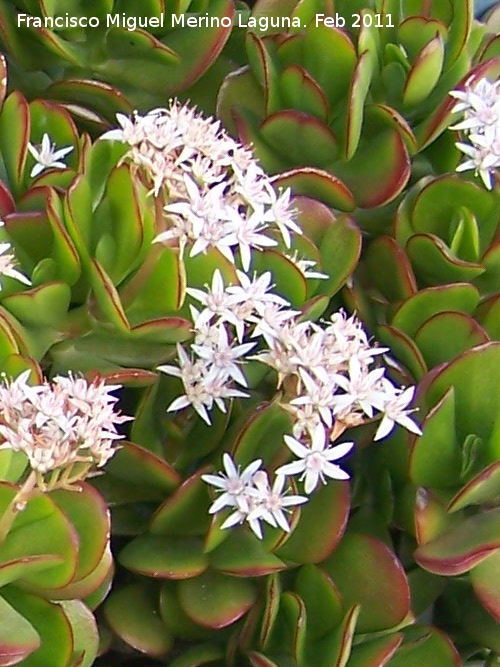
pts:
[64, 427]
[251, 497]
[218, 195]
[480, 106]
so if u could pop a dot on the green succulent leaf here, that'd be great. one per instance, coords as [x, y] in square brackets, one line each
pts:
[214, 600]
[40, 530]
[474, 376]
[14, 137]
[322, 523]
[340, 249]
[318, 184]
[313, 143]
[425, 72]
[389, 269]
[446, 335]
[46, 305]
[405, 350]
[322, 601]
[425, 646]
[202, 654]
[436, 264]
[366, 573]
[50, 623]
[375, 652]
[335, 648]
[139, 466]
[432, 466]
[84, 631]
[132, 612]
[417, 309]
[164, 557]
[485, 579]
[185, 512]
[243, 555]
[300, 91]
[461, 548]
[18, 638]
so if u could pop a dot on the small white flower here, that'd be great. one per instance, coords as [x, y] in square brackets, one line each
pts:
[233, 485]
[315, 462]
[47, 157]
[395, 412]
[271, 504]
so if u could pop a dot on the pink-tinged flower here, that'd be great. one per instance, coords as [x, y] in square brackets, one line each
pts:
[223, 357]
[46, 156]
[315, 462]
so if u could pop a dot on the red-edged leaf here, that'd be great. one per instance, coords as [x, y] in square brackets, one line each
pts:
[464, 546]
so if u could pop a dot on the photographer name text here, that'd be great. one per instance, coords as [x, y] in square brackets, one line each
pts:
[131, 23]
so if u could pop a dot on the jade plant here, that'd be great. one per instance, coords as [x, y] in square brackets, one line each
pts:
[100, 58]
[364, 133]
[438, 278]
[276, 499]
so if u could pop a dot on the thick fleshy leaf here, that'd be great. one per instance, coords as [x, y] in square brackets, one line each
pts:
[89, 515]
[483, 488]
[376, 652]
[438, 201]
[425, 646]
[340, 249]
[164, 557]
[417, 309]
[97, 95]
[485, 579]
[132, 612]
[367, 573]
[244, 555]
[322, 601]
[18, 638]
[335, 648]
[185, 512]
[437, 466]
[202, 654]
[446, 335]
[175, 618]
[314, 143]
[84, 631]
[318, 184]
[214, 600]
[41, 529]
[239, 88]
[14, 136]
[434, 262]
[358, 91]
[288, 635]
[389, 269]
[50, 623]
[144, 295]
[424, 73]
[464, 546]
[322, 523]
[431, 518]
[64, 252]
[46, 305]
[261, 434]
[300, 91]
[476, 378]
[137, 465]
[381, 166]
[405, 350]
[315, 49]
[425, 589]
[107, 299]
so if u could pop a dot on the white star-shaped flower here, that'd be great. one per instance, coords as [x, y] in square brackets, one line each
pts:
[47, 157]
[315, 462]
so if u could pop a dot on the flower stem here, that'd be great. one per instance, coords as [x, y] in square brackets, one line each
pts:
[16, 505]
